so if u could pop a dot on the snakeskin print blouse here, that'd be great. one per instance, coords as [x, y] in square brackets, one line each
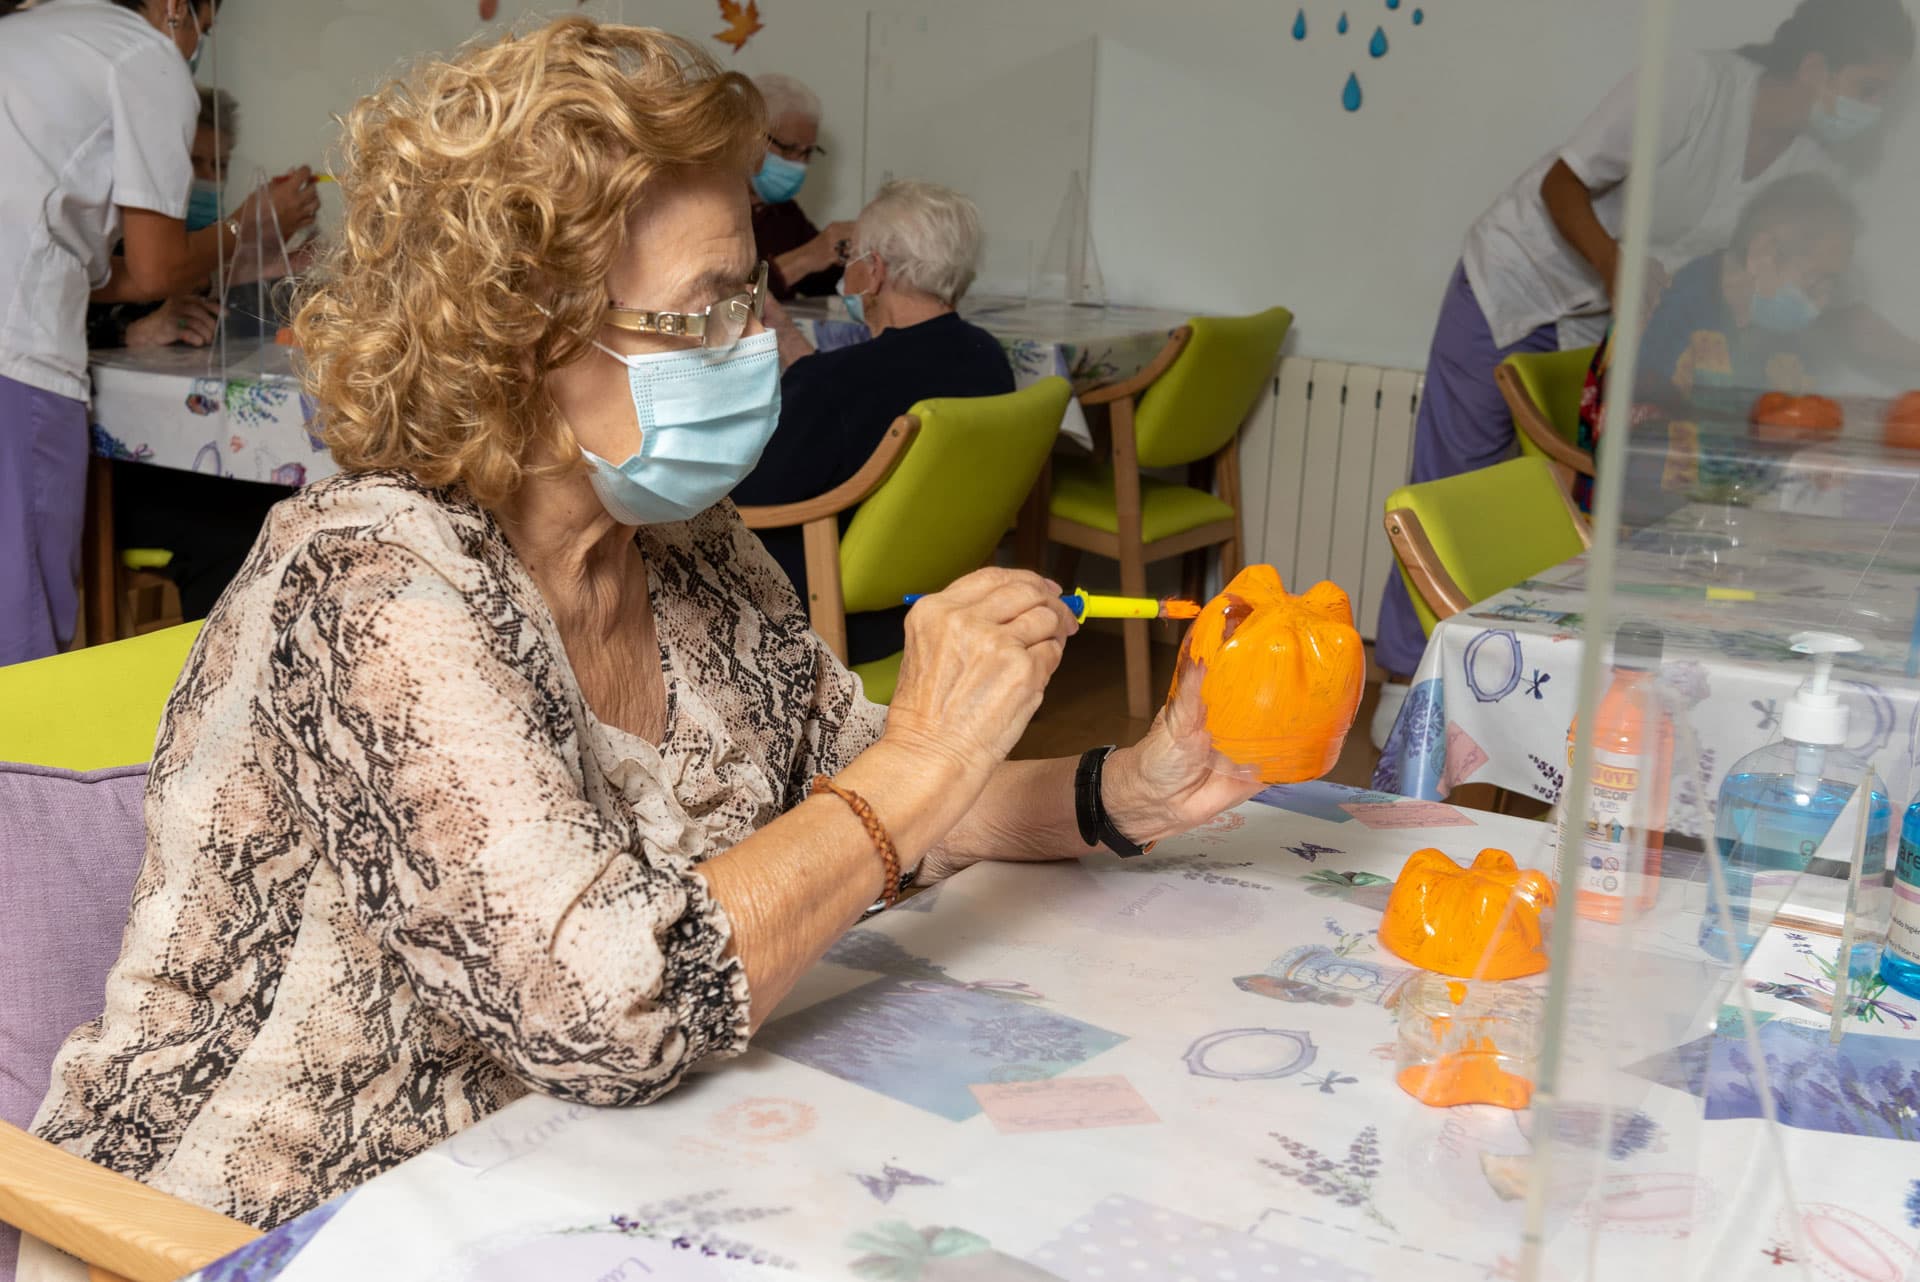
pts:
[398, 875]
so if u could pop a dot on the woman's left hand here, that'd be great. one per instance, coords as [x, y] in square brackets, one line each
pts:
[1166, 783]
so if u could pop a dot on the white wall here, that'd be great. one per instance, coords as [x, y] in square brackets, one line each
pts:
[1225, 175]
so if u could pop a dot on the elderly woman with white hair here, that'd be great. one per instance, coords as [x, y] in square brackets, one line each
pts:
[801, 259]
[915, 249]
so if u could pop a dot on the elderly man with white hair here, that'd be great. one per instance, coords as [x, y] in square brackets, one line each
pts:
[915, 249]
[801, 259]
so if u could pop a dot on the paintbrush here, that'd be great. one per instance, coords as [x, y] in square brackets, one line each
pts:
[1092, 605]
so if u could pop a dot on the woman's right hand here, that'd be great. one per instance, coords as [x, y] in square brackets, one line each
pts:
[292, 198]
[977, 662]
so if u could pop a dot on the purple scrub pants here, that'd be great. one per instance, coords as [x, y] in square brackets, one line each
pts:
[1463, 425]
[43, 494]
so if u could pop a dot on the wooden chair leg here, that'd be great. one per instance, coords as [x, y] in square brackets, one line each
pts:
[1138, 636]
[98, 559]
[1227, 478]
[1030, 533]
[826, 607]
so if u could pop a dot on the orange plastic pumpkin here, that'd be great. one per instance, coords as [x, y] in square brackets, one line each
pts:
[1280, 675]
[1903, 423]
[1780, 417]
[1482, 922]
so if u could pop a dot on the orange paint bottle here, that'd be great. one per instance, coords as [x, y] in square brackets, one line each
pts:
[1627, 789]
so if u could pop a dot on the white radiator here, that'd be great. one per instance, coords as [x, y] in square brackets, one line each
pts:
[1318, 457]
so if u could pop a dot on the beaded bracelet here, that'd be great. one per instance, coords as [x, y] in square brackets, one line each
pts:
[876, 832]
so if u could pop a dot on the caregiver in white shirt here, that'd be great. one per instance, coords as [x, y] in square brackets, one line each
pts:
[1538, 268]
[97, 112]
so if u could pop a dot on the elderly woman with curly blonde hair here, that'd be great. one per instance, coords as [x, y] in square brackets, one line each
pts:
[508, 763]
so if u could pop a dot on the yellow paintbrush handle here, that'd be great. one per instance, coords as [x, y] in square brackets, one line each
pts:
[1116, 607]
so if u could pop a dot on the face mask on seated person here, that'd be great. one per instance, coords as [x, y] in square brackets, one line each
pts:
[203, 204]
[704, 420]
[856, 305]
[779, 179]
[1786, 310]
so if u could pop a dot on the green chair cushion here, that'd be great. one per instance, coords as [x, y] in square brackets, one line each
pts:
[880, 677]
[93, 708]
[1083, 494]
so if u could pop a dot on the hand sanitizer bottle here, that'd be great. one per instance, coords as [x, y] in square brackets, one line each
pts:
[1900, 962]
[1779, 802]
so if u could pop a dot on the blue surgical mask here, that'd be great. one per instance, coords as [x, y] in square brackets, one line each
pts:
[1785, 311]
[704, 420]
[779, 179]
[1847, 120]
[203, 204]
[856, 305]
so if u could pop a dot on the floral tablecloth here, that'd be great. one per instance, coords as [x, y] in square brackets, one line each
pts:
[179, 407]
[1084, 345]
[1176, 1066]
[1498, 684]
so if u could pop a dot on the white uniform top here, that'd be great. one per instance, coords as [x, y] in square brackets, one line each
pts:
[1525, 274]
[97, 110]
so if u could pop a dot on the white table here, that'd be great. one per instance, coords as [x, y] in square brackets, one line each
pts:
[1114, 1069]
[174, 407]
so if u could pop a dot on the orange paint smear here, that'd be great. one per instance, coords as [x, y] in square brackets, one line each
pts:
[1280, 675]
[1178, 608]
[1470, 1075]
[1481, 922]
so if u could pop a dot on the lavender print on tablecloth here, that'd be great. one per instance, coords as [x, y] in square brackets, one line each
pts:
[1123, 1237]
[267, 1258]
[925, 1043]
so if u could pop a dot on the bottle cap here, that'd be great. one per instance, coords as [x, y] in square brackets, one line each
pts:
[1638, 646]
[1815, 714]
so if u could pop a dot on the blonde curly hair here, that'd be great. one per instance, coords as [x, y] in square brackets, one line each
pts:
[479, 189]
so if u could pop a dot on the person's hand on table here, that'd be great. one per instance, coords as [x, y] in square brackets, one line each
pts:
[188, 319]
[977, 661]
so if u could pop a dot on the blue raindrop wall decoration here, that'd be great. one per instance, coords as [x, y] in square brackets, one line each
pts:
[1377, 43]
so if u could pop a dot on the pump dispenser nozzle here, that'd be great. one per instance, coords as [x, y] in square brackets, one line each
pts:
[1815, 719]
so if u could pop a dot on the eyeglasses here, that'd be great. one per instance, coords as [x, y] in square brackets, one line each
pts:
[794, 151]
[718, 327]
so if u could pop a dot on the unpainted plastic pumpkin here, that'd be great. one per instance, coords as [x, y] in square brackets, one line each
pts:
[1280, 674]
[1903, 423]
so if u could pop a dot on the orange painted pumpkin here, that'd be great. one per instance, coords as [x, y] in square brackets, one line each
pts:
[1903, 423]
[1780, 417]
[1482, 922]
[1280, 675]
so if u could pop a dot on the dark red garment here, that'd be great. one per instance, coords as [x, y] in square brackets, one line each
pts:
[778, 229]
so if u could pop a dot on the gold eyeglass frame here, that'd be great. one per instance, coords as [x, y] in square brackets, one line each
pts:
[637, 320]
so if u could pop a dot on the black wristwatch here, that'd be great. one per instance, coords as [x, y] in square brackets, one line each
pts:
[1090, 811]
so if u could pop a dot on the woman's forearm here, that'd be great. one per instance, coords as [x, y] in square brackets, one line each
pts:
[1570, 205]
[1025, 812]
[794, 887]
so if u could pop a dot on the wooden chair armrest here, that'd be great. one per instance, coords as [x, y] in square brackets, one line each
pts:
[849, 493]
[1430, 577]
[106, 1219]
[1529, 419]
[1104, 393]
